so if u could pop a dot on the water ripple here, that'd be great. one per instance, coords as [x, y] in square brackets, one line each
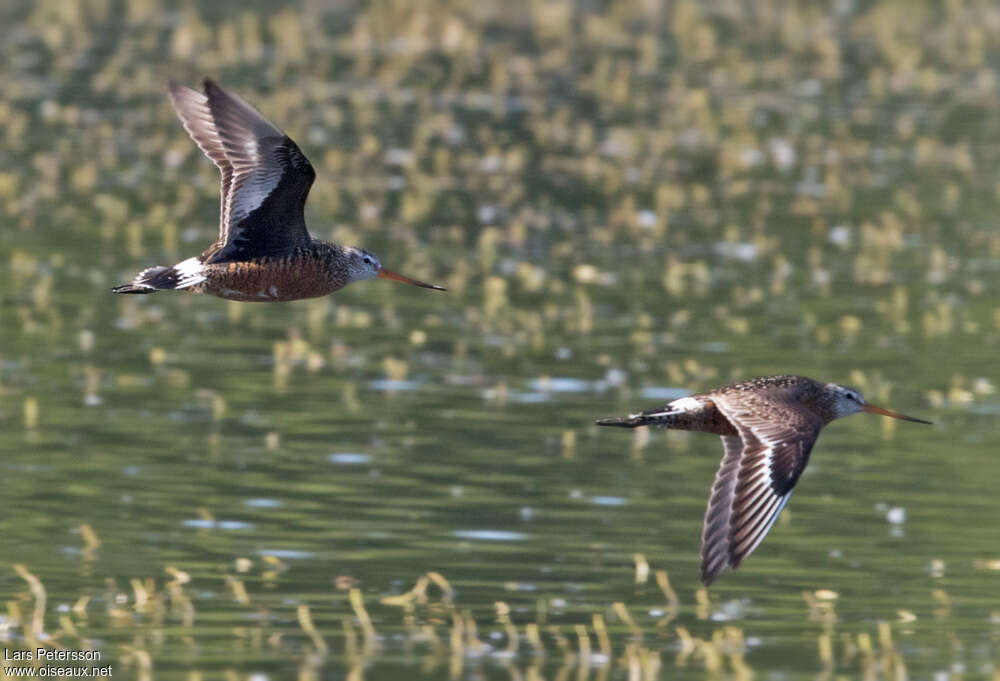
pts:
[490, 535]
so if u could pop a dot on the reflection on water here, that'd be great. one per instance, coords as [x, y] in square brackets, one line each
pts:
[560, 385]
[392, 386]
[489, 535]
[263, 503]
[629, 203]
[608, 501]
[663, 394]
[218, 524]
[349, 458]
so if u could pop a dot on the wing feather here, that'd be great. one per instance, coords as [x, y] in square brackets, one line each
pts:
[758, 471]
[714, 557]
[265, 176]
[192, 108]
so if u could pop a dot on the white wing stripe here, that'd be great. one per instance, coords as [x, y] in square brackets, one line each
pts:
[747, 510]
[759, 536]
[748, 529]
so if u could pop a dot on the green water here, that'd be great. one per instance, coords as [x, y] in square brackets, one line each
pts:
[629, 202]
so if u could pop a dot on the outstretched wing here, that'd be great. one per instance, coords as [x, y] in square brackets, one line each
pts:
[192, 108]
[265, 176]
[756, 477]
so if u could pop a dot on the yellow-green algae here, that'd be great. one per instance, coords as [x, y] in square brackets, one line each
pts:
[626, 199]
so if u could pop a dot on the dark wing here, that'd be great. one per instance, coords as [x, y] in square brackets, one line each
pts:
[758, 471]
[269, 178]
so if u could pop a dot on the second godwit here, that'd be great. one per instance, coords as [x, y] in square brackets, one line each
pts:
[264, 252]
[768, 427]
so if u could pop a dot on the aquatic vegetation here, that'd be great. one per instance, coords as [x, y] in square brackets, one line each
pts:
[430, 621]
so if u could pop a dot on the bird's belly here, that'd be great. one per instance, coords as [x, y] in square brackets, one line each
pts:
[267, 282]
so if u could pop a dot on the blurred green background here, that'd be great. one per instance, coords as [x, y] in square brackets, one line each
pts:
[629, 201]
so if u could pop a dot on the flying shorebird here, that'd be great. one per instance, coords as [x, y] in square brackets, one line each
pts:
[264, 252]
[768, 427]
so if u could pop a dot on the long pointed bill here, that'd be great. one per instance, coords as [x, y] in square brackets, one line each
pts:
[386, 274]
[872, 409]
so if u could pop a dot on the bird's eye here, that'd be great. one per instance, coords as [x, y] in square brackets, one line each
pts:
[368, 261]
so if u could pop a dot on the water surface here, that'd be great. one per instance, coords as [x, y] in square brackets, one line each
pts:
[629, 203]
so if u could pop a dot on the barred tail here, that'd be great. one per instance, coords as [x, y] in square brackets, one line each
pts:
[132, 288]
[663, 417]
[627, 422]
[181, 276]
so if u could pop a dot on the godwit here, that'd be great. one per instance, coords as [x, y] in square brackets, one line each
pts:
[768, 427]
[264, 252]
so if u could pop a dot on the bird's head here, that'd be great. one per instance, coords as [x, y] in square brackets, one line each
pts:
[362, 264]
[843, 400]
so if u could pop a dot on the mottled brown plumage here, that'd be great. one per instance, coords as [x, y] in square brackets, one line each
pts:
[264, 252]
[307, 272]
[768, 428]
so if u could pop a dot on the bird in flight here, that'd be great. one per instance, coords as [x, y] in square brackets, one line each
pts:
[768, 427]
[264, 252]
